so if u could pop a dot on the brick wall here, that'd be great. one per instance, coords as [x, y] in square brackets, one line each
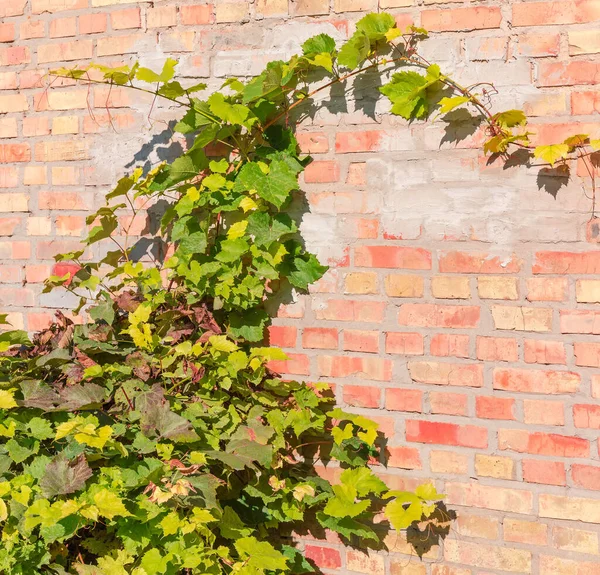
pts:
[461, 307]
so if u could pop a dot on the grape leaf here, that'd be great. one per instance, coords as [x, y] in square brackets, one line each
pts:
[354, 51]
[260, 554]
[407, 93]
[376, 26]
[274, 186]
[318, 44]
[149, 76]
[448, 104]
[63, 476]
[551, 153]
[306, 272]
[401, 517]
[510, 118]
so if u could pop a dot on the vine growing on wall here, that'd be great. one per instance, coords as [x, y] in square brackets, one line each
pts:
[154, 438]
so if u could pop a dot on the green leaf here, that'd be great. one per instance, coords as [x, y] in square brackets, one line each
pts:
[260, 554]
[354, 51]
[306, 272]
[167, 73]
[231, 250]
[376, 26]
[402, 515]
[267, 229]
[344, 503]
[407, 92]
[274, 187]
[363, 480]
[230, 113]
[109, 504]
[551, 153]
[63, 476]
[510, 118]
[103, 311]
[231, 526]
[249, 325]
[319, 44]
[449, 104]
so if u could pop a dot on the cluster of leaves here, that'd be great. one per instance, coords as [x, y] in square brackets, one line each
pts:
[154, 439]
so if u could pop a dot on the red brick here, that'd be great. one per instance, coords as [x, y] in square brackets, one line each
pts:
[359, 340]
[313, 142]
[392, 257]
[538, 45]
[573, 73]
[126, 19]
[587, 354]
[404, 343]
[440, 316]
[39, 321]
[457, 19]
[446, 434]
[350, 310]
[296, 364]
[7, 32]
[497, 349]
[322, 172]
[161, 16]
[586, 476]
[557, 12]
[404, 457]
[546, 472]
[195, 15]
[362, 396]
[282, 336]
[320, 337]
[580, 321]
[14, 56]
[478, 263]
[32, 29]
[448, 403]
[494, 407]
[547, 352]
[585, 103]
[586, 416]
[62, 27]
[92, 23]
[536, 381]
[323, 557]
[343, 366]
[538, 443]
[404, 400]
[61, 201]
[10, 153]
[449, 345]
[348, 142]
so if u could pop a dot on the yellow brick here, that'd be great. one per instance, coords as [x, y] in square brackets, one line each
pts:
[584, 42]
[231, 12]
[493, 287]
[530, 532]
[493, 466]
[16, 202]
[588, 291]
[477, 526]
[404, 286]
[38, 226]
[570, 508]
[487, 556]
[575, 540]
[448, 462]
[65, 125]
[360, 283]
[450, 287]
[522, 318]
[271, 8]
[367, 562]
[35, 175]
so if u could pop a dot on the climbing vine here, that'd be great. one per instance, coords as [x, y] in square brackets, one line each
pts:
[155, 438]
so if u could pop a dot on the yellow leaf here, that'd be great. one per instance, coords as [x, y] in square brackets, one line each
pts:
[8, 431]
[391, 34]
[595, 144]
[90, 512]
[221, 343]
[3, 511]
[248, 204]
[7, 399]
[4, 488]
[93, 437]
[237, 230]
[109, 504]
[552, 153]
[66, 428]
